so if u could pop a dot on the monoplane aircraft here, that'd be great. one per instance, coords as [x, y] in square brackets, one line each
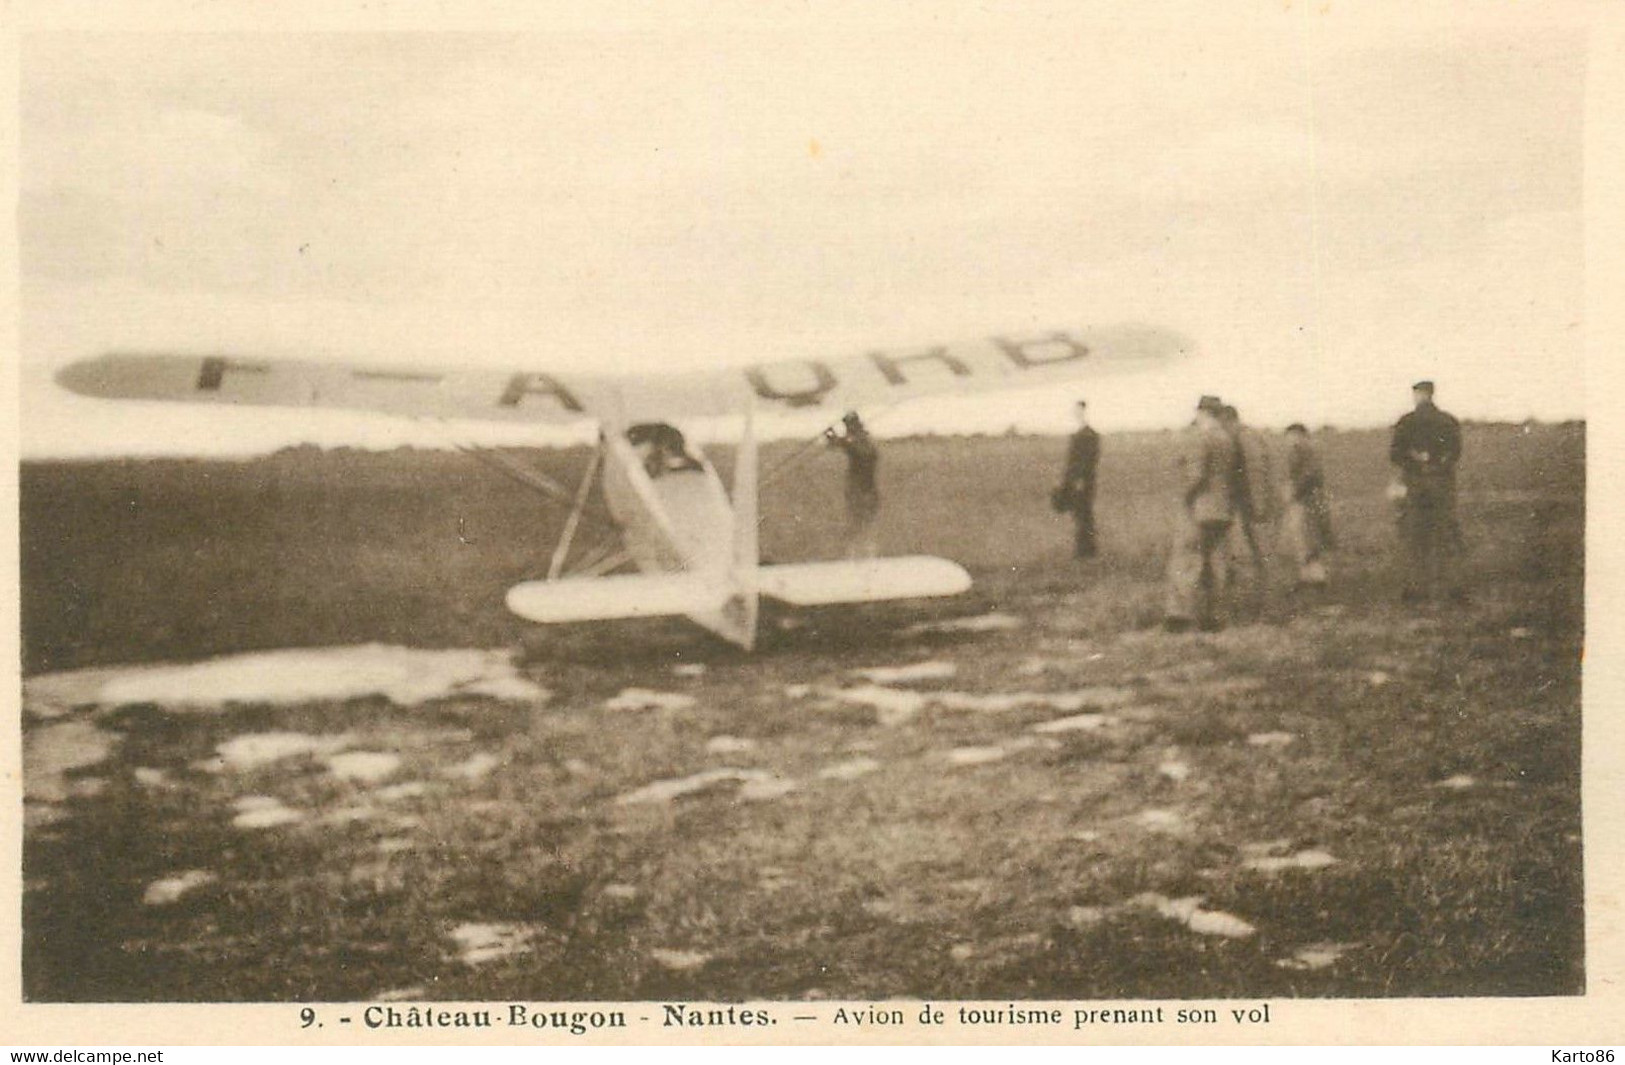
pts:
[695, 547]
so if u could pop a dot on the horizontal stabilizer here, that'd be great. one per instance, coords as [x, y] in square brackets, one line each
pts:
[609, 598]
[863, 581]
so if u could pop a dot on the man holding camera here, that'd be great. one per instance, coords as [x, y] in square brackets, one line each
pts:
[862, 486]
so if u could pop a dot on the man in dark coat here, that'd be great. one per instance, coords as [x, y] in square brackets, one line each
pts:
[862, 486]
[1077, 489]
[1425, 450]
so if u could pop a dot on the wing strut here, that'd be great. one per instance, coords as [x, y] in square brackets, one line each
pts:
[513, 468]
[602, 561]
[562, 551]
[598, 560]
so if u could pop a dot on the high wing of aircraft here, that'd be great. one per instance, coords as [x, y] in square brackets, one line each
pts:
[695, 547]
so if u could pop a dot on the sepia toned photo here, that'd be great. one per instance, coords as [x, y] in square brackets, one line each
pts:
[607, 529]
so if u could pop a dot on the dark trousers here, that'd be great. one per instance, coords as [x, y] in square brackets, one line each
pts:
[1431, 541]
[1083, 518]
[1198, 571]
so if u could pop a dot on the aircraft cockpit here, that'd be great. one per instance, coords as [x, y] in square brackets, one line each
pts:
[662, 449]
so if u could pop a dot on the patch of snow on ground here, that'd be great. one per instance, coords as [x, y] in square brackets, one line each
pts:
[1269, 863]
[1189, 912]
[1270, 739]
[1103, 696]
[349, 815]
[1174, 770]
[474, 766]
[663, 791]
[411, 789]
[679, 960]
[891, 705]
[729, 745]
[47, 696]
[1459, 782]
[511, 688]
[169, 890]
[263, 811]
[647, 699]
[1174, 909]
[775, 879]
[1218, 923]
[1161, 821]
[767, 789]
[975, 755]
[403, 675]
[895, 705]
[1085, 916]
[995, 702]
[1064, 702]
[1075, 723]
[850, 769]
[908, 674]
[976, 623]
[1315, 956]
[51, 752]
[86, 787]
[481, 943]
[1265, 848]
[1033, 665]
[262, 748]
[367, 766]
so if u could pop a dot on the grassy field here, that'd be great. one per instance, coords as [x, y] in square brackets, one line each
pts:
[1335, 796]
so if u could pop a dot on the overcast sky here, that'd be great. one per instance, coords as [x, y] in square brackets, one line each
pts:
[1329, 214]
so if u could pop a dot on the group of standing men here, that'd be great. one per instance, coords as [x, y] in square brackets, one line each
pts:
[1232, 496]
[1231, 499]
[1225, 465]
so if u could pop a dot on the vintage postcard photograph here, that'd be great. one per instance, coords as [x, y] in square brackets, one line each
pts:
[906, 526]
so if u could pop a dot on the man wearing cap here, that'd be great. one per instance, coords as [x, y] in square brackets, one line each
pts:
[1077, 489]
[1425, 450]
[862, 486]
[1197, 564]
